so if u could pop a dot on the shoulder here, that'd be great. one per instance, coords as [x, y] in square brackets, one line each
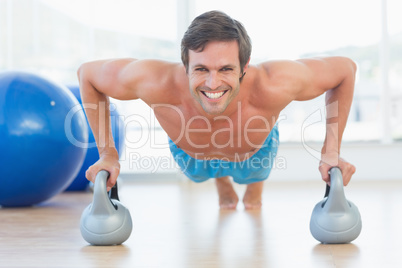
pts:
[283, 72]
[156, 71]
[275, 82]
[154, 81]
[307, 69]
[305, 78]
[150, 80]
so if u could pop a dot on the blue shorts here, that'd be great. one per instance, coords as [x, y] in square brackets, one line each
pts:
[254, 169]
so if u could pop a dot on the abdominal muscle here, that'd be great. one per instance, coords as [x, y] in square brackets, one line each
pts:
[223, 146]
[231, 157]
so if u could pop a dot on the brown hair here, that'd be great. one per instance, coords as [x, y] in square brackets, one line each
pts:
[215, 26]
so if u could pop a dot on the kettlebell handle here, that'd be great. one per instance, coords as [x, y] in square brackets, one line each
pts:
[336, 199]
[103, 176]
[102, 203]
[328, 188]
[100, 180]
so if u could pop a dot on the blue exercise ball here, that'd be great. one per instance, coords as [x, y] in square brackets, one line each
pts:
[38, 126]
[80, 183]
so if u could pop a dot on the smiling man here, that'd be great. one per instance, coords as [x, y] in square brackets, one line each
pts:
[220, 112]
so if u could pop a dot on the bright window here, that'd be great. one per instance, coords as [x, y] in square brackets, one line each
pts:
[55, 37]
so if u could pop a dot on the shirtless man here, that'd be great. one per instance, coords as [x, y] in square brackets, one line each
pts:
[219, 112]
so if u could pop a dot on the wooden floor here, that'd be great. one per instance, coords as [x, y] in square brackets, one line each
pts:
[178, 224]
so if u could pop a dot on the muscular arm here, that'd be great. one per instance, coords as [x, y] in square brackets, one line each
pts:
[123, 79]
[336, 77]
[309, 78]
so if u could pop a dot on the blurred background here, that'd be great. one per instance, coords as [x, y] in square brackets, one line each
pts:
[54, 37]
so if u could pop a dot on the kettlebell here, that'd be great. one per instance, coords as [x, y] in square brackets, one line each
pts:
[105, 221]
[335, 220]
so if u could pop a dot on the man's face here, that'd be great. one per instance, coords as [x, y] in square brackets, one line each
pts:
[214, 75]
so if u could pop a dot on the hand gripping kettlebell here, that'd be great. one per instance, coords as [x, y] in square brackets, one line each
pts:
[105, 221]
[335, 220]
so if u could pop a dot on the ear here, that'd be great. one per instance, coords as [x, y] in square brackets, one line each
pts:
[246, 66]
[244, 70]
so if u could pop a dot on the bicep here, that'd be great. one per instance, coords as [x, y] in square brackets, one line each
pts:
[322, 74]
[105, 76]
[126, 79]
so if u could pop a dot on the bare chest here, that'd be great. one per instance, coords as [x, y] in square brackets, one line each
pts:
[232, 138]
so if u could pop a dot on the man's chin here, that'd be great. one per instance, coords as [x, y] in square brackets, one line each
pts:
[213, 110]
[213, 113]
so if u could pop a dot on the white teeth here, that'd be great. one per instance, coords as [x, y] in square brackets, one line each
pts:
[214, 95]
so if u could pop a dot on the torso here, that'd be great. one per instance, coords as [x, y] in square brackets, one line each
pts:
[232, 137]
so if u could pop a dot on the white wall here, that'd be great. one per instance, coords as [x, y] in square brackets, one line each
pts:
[373, 161]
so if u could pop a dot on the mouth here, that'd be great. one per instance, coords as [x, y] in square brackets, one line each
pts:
[214, 95]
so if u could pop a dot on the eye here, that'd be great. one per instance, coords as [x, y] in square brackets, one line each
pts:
[200, 69]
[227, 69]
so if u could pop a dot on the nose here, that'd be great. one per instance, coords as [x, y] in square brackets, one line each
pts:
[213, 81]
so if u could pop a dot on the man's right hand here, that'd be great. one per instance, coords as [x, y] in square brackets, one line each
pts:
[106, 162]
